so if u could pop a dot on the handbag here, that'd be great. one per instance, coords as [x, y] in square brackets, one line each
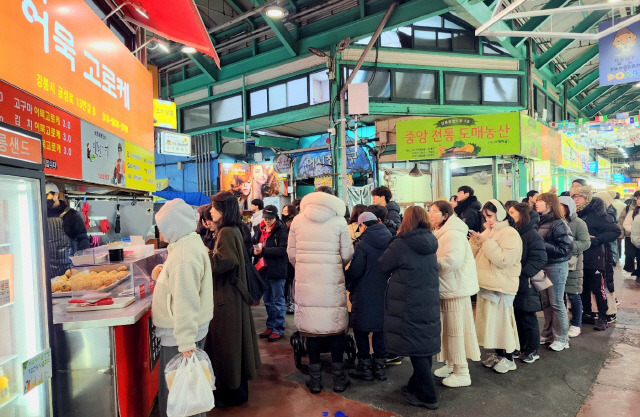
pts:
[256, 285]
[540, 281]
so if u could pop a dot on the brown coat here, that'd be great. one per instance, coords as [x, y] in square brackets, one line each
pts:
[232, 343]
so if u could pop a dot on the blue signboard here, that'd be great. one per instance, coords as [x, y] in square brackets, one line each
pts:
[618, 178]
[593, 166]
[619, 54]
[315, 164]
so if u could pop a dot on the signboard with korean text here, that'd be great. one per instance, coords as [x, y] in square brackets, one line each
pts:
[36, 370]
[165, 114]
[61, 52]
[604, 168]
[173, 143]
[619, 54]
[575, 156]
[60, 131]
[102, 156]
[537, 141]
[458, 137]
[6, 277]
[139, 168]
[316, 163]
[19, 146]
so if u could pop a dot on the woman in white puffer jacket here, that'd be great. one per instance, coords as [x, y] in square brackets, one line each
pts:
[458, 281]
[319, 247]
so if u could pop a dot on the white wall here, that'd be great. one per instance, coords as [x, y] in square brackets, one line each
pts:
[484, 192]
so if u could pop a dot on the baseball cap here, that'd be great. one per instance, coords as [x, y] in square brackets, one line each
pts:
[51, 188]
[367, 216]
[270, 212]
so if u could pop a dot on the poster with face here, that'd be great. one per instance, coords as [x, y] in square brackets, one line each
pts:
[237, 179]
[265, 182]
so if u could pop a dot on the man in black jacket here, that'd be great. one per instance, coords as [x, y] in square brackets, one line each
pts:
[382, 215]
[468, 208]
[67, 233]
[603, 230]
[382, 197]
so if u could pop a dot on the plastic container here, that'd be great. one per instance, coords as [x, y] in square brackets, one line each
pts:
[138, 251]
[92, 256]
[5, 393]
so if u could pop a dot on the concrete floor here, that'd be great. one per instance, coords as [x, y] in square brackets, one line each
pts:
[597, 376]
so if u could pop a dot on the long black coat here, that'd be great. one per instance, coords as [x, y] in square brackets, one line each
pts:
[412, 301]
[558, 240]
[603, 229]
[365, 280]
[534, 258]
[274, 251]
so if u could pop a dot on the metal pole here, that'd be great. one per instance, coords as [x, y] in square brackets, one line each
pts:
[343, 120]
[530, 90]
[244, 113]
[496, 176]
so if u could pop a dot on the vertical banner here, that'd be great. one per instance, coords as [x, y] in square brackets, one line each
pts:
[102, 156]
[139, 168]
[237, 179]
[619, 54]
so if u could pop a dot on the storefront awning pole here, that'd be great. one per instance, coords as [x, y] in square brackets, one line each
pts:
[343, 119]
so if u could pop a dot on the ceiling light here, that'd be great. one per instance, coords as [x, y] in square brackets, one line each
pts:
[415, 171]
[275, 11]
[138, 8]
[188, 49]
[159, 44]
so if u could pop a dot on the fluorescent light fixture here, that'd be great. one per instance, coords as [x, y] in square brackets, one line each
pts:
[637, 85]
[188, 49]
[275, 12]
[159, 44]
[623, 153]
[138, 8]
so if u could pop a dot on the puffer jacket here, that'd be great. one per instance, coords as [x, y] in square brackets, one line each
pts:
[366, 282]
[412, 302]
[603, 229]
[622, 219]
[635, 232]
[469, 212]
[393, 213]
[581, 242]
[456, 264]
[558, 240]
[274, 251]
[498, 259]
[534, 258]
[319, 248]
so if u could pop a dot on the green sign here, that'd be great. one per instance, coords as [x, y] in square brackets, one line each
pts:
[458, 137]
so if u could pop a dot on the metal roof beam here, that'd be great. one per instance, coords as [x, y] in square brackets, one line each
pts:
[207, 67]
[617, 106]
[582, 85]
[535, 22]
[612, 97]
[572, 9]
[593, 96]
[281, 31]
[575, 66]
[562, 44]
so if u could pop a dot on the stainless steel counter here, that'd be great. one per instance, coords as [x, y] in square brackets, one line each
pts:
[99, 318]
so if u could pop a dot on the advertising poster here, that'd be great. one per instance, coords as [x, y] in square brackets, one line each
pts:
[604, 168]
[36, 370]
[102, 156]
[139, 168]
[19, 146]
[458, 137]
[60, 131]
[173, 143]
[68, 57]
[318, 163]
[619, 54]
[165, 114]
[537, 141]
[265, 181]
[237, 179]
[575, 156]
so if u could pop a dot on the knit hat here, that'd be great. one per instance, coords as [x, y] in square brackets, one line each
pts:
[605, 196]
[586, 192]
[175, 220]
[501, 214]
[367, 216]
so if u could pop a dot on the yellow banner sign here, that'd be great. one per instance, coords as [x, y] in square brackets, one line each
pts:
[140, 173]
[165, 114]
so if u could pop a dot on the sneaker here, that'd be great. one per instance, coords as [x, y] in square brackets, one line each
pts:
[406, 390]
[601, 325]
[611, 318]
[588, 318]
[559, 346]
[504, 366]
[530, 357]
[290, 309]
[491, 361]
[274, 337]
[545, 340]
[266, 334]
[443, 372]
[516, 354]
[455, 381]
[394, 360]
[413, 400]
[574, 331]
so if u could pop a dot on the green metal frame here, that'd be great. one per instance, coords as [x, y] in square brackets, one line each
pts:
[575, 66]
[535, 22]
[207, 67]
[583, 84]
[615, 94]
[281, 32]
[594, 95]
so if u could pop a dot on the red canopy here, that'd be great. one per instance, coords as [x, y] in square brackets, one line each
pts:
[177, 20]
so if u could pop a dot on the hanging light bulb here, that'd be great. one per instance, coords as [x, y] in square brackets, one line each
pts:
[415, 171]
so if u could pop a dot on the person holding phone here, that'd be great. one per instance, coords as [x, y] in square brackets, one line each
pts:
[497, 251]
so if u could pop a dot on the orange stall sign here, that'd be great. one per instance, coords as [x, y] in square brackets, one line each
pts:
[18, 146]
[61, 52]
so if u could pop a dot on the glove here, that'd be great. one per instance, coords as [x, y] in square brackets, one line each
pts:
[104, 226]
[85, 211]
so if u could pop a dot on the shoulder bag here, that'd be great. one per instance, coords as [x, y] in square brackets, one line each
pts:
[540, 281]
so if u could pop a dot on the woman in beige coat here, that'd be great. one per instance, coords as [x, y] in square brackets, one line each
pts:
[458, 281]
[497, 251]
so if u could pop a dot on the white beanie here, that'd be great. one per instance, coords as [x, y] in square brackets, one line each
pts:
[175, 219]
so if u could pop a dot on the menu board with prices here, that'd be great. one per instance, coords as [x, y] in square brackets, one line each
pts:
[102, 156]
[60, 131]
[140, 168]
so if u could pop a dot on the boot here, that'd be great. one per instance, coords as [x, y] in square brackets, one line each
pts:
[363, 370]
[340, 379]
[445, 371]
[314, 383]
[601, 325]
[379, 369]
[459, 378]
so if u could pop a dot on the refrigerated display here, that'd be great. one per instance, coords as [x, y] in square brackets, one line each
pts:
[25, 303]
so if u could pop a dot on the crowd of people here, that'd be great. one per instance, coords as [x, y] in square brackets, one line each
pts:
[411, 280]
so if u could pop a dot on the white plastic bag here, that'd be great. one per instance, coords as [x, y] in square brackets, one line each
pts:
[191, 383]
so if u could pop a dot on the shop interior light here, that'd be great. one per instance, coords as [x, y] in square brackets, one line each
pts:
[415, 171]
[188, 49]
[275, 11]
[159, 44]
[138, 8]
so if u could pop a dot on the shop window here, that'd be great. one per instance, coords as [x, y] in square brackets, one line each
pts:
[318, 88]
[550, 110]
[195, 117]
[258, 102]
[558, 113]
[493, 48]
[425, 39]
[500, 90]
[379, 82]
[444, 41]
[226, 109]
[448, 24]
[297, 92]
[431, 22]
[464, 41]
[414, 85]
[461, 88]
[277, 97]
[397, 38]
[540, 101]
[363, 41]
